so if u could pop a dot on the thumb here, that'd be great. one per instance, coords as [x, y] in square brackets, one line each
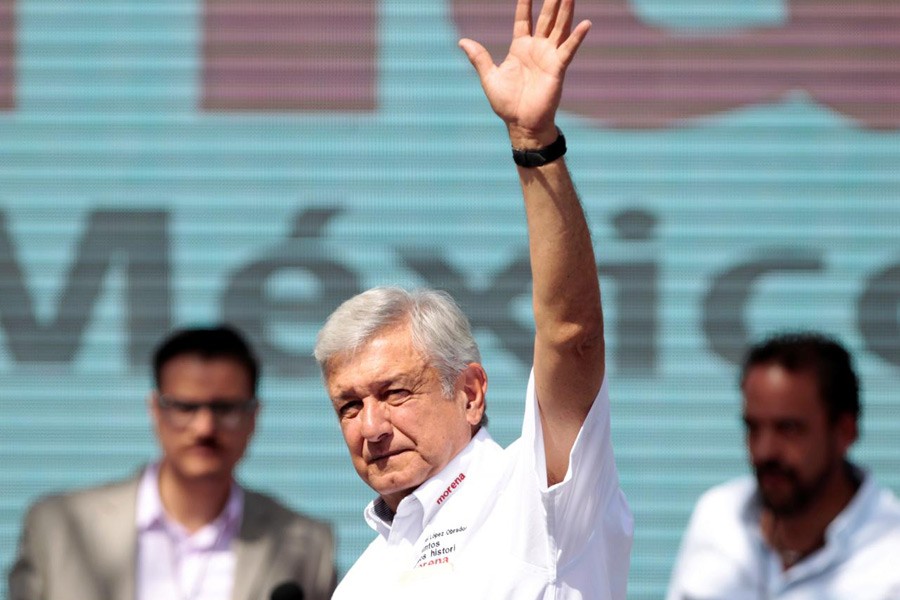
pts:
[478, 56]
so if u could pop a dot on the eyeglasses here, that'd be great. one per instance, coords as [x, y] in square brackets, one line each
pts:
[226, 414]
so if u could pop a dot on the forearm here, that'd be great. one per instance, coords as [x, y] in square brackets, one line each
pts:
[569, 350]
[566, 292]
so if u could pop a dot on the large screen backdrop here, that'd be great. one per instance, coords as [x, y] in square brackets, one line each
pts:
[182, 162]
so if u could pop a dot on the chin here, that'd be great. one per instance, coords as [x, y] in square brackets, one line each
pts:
[387, 485]
[783, 505]
[207, 469]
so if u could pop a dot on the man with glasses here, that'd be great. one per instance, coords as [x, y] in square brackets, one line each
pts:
[182, 528]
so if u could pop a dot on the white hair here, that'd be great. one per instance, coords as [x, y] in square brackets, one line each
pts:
[438, 328]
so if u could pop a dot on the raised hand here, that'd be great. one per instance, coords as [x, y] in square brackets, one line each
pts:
[525, 89]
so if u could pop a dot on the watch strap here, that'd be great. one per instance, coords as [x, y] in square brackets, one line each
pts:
[538, 157]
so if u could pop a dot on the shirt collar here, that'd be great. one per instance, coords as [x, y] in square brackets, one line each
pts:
[434, 493]
[865, 495]
[151, 515]
[842, 526]
[839, 532]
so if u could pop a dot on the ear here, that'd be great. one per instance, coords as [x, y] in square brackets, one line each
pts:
[474, 385]
[847, 432]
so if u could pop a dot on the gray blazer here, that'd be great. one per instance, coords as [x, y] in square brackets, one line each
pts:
[82, 546]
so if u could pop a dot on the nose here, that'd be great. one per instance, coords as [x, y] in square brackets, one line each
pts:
[763, 446]
[204, 421]
[375, 420]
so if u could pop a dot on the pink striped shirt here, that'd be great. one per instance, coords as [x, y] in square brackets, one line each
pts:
[173, 563]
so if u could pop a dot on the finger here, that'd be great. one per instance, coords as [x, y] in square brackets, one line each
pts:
[566, 52]
[563, 25]
[478, 56]
[522, 21]
[547, 18]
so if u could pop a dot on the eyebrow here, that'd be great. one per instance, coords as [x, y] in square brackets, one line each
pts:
[401, 379]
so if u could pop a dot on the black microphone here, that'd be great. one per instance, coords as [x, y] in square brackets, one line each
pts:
[289, 590]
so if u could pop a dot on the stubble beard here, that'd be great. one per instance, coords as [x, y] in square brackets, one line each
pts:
[803, 494]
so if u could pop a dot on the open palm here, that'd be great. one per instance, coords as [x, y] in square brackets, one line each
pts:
[525, 89]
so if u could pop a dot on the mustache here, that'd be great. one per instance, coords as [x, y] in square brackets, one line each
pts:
[208, 442]
[774, 467]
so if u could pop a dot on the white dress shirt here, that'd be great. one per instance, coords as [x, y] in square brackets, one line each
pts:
[723, 555]
[488, 527]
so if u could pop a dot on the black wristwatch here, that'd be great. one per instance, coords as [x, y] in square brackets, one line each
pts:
[541, 156]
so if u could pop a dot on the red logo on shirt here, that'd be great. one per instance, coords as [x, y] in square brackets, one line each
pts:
[459, 479]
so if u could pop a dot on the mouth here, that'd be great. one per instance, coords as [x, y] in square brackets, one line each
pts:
[768, 479]
[774, 477]
[384, 456]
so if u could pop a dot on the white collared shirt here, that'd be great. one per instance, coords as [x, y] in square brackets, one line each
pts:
[723, 555]
[488, 527]
[175, 564]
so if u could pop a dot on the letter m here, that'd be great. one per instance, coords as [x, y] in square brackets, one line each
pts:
[136, 241]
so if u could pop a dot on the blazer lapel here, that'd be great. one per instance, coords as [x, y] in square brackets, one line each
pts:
[253, 548]
[112, 517]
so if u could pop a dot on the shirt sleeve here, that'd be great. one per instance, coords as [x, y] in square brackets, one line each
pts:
[715, 559]
[588, 502]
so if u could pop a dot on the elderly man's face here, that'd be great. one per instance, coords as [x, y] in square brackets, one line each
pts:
[398, 425]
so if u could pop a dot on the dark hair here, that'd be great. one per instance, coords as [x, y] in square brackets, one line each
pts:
[222, 341]
[818, 354]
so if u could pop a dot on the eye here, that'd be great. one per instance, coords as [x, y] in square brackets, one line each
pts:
[185, 408]
[397, 395]
[349, 409]
[789, 427]
[222, 409]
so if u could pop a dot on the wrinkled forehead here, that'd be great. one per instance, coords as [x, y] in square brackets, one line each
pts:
[395, 332]
[389, 353]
